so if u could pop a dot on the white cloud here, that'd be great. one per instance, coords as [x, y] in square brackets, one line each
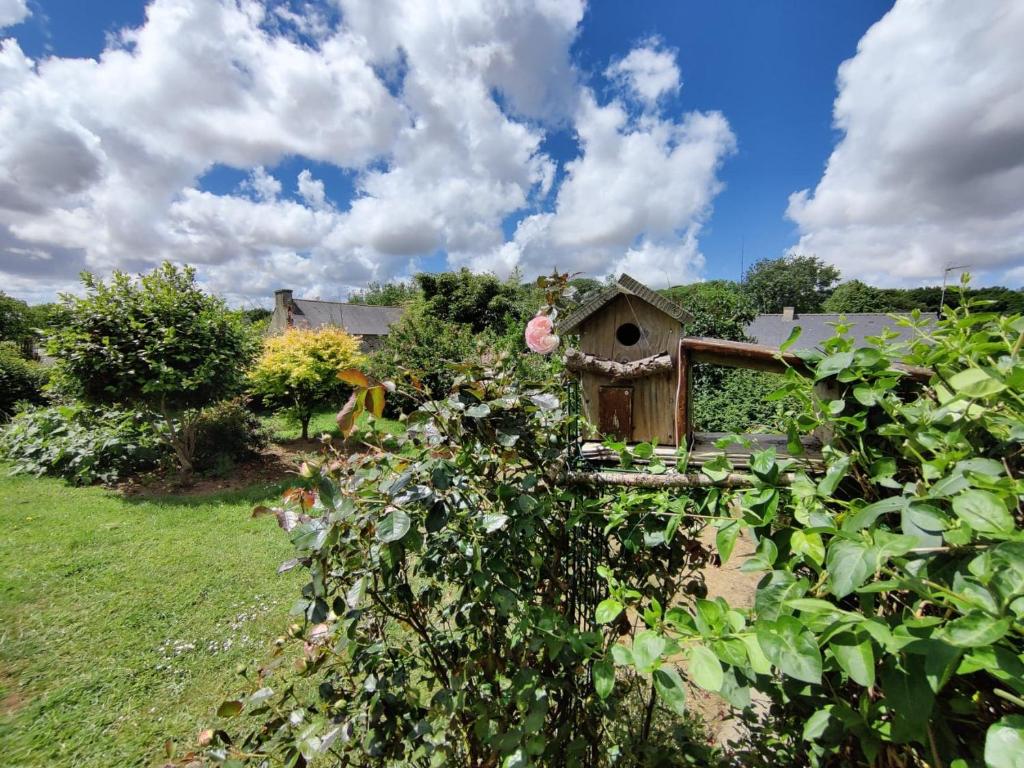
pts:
[312, 190]
[930, 168]
[648, 72]
[634, 200]
[13, 12]
[262, 184]
[439, 113]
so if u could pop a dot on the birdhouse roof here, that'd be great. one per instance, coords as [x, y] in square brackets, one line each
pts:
[627, 286]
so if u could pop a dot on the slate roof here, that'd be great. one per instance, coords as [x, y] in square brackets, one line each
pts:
[630, 287]
[357, 319]
[772, 330]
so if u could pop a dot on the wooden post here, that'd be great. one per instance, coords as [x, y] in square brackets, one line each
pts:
[684, 426]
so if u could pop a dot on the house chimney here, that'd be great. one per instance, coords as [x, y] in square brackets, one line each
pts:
[789, 313]
[283, 299]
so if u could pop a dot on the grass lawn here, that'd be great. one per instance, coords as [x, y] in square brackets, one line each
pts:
[283, 429]
[122, 621]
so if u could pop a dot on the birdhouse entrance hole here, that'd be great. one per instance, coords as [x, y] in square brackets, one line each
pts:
[628, 334]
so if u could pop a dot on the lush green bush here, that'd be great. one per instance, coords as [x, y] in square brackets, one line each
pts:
[21, 380]
[423, 348]
[298, 370]
[889, 626]
[158, 344]
[738, 400]
[450, 617]
[227, 433]
[81, 444]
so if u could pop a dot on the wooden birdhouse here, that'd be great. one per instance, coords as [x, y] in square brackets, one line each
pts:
[628, 361]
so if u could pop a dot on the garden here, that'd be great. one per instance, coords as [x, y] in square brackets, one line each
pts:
[445, 596]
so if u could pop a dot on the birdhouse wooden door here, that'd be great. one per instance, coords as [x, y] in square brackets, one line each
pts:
[615, 411]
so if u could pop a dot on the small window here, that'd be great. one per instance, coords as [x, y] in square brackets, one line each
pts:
[628, 334]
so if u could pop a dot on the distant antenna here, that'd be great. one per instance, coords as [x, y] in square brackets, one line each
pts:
[942, 297]
[743, 249]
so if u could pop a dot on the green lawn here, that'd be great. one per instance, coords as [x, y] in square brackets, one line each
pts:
[122, 622]
[283, 429]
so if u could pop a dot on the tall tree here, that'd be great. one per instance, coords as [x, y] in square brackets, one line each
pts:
[803, 282]
[720, 308]
[479, 301]
[393, 294]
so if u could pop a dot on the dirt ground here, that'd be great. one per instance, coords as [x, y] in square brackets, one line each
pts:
[272, 465]
[737, 588]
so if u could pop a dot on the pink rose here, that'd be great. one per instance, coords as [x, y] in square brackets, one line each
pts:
[540, 335]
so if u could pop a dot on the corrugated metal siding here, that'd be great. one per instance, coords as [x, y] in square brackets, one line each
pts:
[772, 330]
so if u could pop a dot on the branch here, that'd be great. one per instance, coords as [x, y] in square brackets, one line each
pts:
[667, 480]
[578, 362]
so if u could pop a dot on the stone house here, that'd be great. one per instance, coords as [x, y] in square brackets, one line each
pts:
[371, 323]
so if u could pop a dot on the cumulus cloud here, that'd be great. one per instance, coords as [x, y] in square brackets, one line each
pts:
[13, 12]
[929, 171]
[648, 71]
[633, 201]
[439, 114]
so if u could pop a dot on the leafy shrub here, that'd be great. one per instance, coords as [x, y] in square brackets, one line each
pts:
[738, 400]
[298, 370]
[226, 433]
[81, 444]
[450, 619]
[425, 348]
[21, 380]
[158, 344]
[889, 626]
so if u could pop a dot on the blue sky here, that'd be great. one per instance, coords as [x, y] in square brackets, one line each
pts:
[766, 72]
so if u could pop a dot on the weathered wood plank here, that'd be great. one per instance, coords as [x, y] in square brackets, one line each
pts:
[704, 450]
[615, 404]
[738, 354]
[610, 477]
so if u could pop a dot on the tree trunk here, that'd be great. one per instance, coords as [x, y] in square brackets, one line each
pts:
[304, 418]
[181, 440]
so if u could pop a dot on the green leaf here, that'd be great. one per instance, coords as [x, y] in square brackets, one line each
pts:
[973, 630]
[758, 661]
[648, 648]
[817, 723]
[725, 539]
[809, 545]
[607, 610]
[791, 648]
[865, 516]
[622, 656]
[478, 411]
[393, 526]
[983, 511]
[604, 678]
[229, 709]
[975, 382]
[791, 339]
[670, 688]
[909, 700]
[704, 668]
[848, 564]
[1004, 743]
[855, 656]
[833, 364]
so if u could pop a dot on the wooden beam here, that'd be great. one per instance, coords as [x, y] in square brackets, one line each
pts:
[580, 362]
[739, 354]
[684, 432]
[604, 478]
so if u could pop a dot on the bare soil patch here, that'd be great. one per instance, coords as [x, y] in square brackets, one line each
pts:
[273, 465]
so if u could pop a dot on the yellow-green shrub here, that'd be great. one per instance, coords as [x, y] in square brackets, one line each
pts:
[297, 371]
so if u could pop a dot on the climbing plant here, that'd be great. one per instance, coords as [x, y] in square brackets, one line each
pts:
[889, 626]
[466, 606]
